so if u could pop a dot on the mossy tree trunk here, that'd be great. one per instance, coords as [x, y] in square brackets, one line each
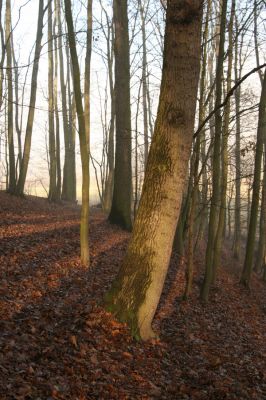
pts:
[136, 291]
[84, 223]
[120, 213]
[261, 133]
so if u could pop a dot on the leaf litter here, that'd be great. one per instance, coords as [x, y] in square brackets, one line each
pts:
[58, 342]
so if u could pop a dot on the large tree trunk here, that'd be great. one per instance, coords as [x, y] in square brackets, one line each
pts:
[29, 127]
[121, 204]
[136, 291]
[84, 223]
[248, 264]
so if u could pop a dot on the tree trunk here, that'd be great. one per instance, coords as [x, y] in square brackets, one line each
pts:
[29, 127]
[224, 152]
[67, 191]
[57, 121]
[84, 224]
[121, 204]
[195, 162]
[248, 264]
[144, 82]
[136, 291]
[216, 174]
[52, 149]
[109, 184]
[3, 54]
[11, 151]
[70, 185]
[237, 222]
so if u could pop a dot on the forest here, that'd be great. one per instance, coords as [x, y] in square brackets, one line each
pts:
[132, 199]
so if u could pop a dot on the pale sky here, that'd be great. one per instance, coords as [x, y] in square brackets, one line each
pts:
[24, 38]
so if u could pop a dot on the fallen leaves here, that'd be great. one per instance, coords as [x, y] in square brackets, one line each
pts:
[56, 342]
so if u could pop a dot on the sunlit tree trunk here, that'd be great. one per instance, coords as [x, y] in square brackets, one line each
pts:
[121, 204]
[84, 224]
[136, 291]
[261, 133]
[29, 127]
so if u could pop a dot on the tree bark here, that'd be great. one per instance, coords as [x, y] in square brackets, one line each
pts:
[120, 213]
[136, 291]
[29, 127]
[237, 222]
[224, 151]
[216, 174]
[261, 133]
[52, 146]
[10, 125]
[84, 223]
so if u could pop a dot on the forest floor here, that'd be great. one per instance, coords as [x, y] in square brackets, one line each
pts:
[57, 341]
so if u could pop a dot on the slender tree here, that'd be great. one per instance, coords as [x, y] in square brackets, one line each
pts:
[121, 204]
[216, 173]
[52, 144]
[29, 127]
[10, 125]
[261, 133]
[224, 150]
[84, 224]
